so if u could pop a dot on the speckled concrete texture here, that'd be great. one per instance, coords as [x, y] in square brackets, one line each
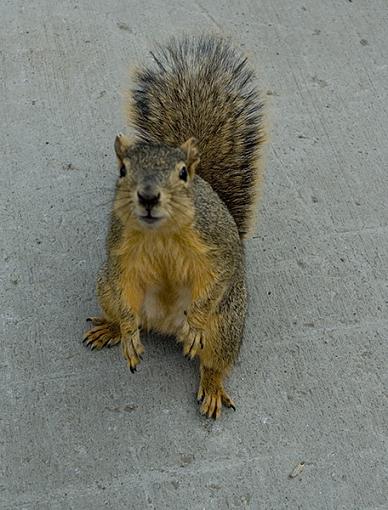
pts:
[78, 430]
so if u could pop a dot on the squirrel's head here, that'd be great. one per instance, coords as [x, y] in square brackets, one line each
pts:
[154, 185]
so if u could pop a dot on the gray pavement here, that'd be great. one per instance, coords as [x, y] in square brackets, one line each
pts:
[78, 430]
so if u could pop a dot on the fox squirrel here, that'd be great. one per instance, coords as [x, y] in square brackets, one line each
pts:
[185, 199]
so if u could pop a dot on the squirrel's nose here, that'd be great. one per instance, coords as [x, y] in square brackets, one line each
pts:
[148, 199]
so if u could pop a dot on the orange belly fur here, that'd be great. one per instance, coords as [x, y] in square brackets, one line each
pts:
[162, 275]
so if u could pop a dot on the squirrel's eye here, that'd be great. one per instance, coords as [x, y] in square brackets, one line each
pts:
[183, 173]
[123, 171]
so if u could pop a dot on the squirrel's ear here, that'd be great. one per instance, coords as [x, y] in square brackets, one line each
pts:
[122, 144]
[190, 148]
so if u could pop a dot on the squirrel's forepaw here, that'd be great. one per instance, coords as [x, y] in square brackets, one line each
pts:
[212, 401]
[103, 334]
[132, 350]
[193, 342]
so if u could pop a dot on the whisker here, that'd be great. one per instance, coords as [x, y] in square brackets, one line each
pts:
[103, 203]
[120, 195]
[124, 199]
[122, 208]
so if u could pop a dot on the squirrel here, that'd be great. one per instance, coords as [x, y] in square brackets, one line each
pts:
[185, 200]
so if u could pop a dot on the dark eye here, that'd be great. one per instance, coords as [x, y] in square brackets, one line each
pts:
[183, 173]
[123, 171]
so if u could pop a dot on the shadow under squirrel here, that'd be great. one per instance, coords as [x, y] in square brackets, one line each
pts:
[185, 199]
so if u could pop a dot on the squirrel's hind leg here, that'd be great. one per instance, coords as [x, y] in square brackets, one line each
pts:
[220, 351]
[211, 393]
[222, 340]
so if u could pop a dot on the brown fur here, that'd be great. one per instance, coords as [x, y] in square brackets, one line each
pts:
[175, 261]
[218, 104]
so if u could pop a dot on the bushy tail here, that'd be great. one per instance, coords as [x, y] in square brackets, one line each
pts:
[201, 87]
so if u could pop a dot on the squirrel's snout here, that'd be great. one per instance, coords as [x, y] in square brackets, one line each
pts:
[148, 199]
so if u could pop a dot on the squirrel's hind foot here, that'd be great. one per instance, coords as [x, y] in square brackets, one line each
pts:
[103, 334]
[211, 394]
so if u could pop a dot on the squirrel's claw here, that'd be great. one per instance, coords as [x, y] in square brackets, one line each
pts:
[200, 395]
[193, 342]
[212, 405]
[96, 321]
[212, 400]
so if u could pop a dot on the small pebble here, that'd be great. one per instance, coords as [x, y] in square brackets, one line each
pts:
[298, 470]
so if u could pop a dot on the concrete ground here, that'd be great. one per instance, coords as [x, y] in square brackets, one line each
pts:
[78, 430]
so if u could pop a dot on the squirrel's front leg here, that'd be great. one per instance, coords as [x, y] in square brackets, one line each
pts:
[192, 335]
[131, 345]
[216, 348]
[197, 317]
[118, 324]
[221, 322]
